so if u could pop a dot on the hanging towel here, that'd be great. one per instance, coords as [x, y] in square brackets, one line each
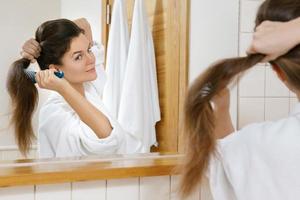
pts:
[117, 50]
[139, 106]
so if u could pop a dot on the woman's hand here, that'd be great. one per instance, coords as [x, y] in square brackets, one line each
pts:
[85, 25]
[275, 38]
[46, 79]
[31, 50]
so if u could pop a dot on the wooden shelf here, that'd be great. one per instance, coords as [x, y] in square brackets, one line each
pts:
[52, 171]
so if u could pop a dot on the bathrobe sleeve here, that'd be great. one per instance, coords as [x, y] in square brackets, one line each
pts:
[63, 134]
[99, 83]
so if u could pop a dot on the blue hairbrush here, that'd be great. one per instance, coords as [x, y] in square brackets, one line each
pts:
[31, 75]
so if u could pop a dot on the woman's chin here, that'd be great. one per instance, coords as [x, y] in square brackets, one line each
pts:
[93, 76]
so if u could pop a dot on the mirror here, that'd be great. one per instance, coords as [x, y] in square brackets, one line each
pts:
[171, 60]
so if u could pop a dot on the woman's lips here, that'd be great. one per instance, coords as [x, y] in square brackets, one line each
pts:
[91, 70]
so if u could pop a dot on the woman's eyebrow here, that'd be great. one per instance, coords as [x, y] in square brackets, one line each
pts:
[76, 52]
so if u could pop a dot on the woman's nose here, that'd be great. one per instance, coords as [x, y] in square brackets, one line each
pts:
[90, 58]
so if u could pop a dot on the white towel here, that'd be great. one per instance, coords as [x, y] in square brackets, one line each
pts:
[117, 50]
[139, 106]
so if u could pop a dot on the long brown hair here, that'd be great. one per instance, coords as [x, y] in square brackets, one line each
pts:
[54, 38]
[199, 115]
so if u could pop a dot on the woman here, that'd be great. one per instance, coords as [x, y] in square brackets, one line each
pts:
[73, 121]
[262, 160]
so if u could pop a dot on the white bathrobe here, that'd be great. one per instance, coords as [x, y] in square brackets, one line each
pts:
[139, 106]
[259, 162]
[61, 132]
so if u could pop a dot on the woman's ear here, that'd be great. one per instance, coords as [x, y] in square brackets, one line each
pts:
[52, 66]
[279, 72]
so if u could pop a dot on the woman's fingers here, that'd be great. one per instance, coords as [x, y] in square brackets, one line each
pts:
[31, 50]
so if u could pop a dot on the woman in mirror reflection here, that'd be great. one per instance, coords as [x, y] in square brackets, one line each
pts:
[73, 121]
[262, 160]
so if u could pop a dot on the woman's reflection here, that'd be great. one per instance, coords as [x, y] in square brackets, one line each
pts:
[73, 121]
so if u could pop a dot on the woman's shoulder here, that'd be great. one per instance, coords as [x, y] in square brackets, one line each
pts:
[264, 131]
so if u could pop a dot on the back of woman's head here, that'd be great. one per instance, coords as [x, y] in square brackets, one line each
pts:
[199, 116]
[54, 38]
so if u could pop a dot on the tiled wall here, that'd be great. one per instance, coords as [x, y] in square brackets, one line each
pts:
[13, 153]
[141, 188]
[262, 96]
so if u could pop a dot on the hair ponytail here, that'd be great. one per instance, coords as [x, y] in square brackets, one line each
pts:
[24, 97]
[200, 120]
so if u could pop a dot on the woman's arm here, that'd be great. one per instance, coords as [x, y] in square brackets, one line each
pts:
[88, 113]
[275, 38]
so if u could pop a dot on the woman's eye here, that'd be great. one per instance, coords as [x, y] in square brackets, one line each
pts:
[79, 57]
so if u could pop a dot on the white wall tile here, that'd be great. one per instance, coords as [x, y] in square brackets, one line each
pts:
[274, 86]
[17, 193]
[245, 41]
[91, 190]
[123, 189]
[248, 15]
[252, 83]
[175, 187]
[53, 192]
[293, 102]
[250, 110]
[157, 188]
[11, 155]
[219, 38]
[32, 154]
[276, 108]
[205, 193]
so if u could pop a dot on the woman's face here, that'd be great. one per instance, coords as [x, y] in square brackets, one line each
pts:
[79, 62]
